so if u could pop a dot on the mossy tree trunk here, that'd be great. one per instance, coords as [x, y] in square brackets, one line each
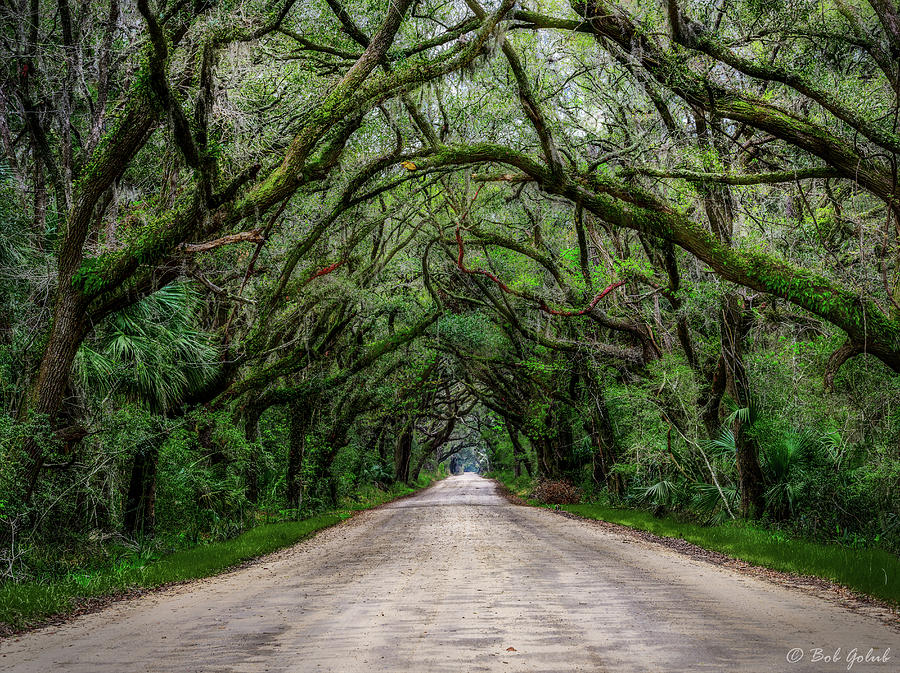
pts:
[738, 387]
[300, 415]
[519, 456]
[252, 470]
[140, 501]
[605, 444]
[403, 453]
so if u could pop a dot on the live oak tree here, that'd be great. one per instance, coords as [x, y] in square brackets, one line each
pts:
[571, 236]
[90, 286]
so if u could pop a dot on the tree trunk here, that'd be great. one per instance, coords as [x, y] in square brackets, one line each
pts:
[711, 398]
[548, 468]
[382, 443]
[211, 446]
[251, 434]
[140, 503]
[39, 215]
[562, 446]
[403, 453]
[520, 455]
[738, 387]
[420, 463]
[45, 398]
[606, 452]
[455, 466]
[516, 448]
[299, 419]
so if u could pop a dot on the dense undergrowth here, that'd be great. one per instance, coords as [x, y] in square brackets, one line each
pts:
[874, 572]
[829, 470]
[26, 603]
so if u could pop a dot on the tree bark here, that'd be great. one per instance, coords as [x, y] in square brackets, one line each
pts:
[403, 453]
[738, 387]
[516, 449]
[606, 452]
[140, 503]
[299, 420]
[520, 455]
[251, 434]
[49, 388]
[711, 398]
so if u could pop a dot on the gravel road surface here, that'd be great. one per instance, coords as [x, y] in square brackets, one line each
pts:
[458, 579]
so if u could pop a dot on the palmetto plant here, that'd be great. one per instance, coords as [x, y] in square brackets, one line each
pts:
[746, 415]
[153, 355]
[707, 500]
[150, 353]
[723, 446]
[663, 493]
[786, 463]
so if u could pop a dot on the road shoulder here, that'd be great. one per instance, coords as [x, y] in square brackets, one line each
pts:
[833, 592]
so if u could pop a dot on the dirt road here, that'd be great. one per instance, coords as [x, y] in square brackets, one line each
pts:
[451, 580]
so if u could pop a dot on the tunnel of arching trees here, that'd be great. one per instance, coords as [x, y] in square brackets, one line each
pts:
[259, 255]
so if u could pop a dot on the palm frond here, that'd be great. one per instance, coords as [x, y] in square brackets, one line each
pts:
[746, 415]
[783, 496]
[152, 352]
[661, 493]
[832, 443]
[707, 500]
[723, 446]
[786, 464]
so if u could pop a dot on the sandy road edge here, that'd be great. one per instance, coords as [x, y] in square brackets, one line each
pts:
[90, 605]
[833, 592]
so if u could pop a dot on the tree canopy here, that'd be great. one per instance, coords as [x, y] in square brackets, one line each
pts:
[255, 251]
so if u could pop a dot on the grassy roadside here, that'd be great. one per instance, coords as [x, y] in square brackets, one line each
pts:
[873, 572]
[29, 603]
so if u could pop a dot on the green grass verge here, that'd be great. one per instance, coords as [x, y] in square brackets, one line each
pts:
[870, 571]
[873, 572]
[29, 603]
[371, 496]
